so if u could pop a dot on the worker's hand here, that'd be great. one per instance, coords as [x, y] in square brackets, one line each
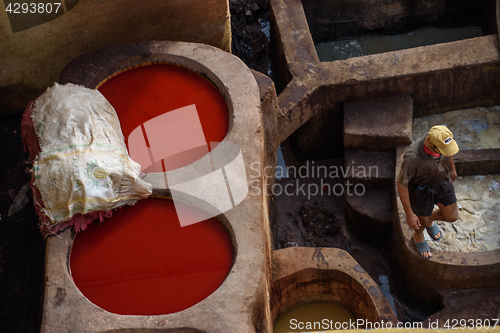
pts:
[413, 221]
[453, 175]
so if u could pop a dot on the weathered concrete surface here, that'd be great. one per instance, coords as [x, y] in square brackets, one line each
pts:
[269, 107]
[379, 123]
[426, 279]
[241, 303]
[478, 305]
[302, 275]
[477, 162]
[433, 75]
[373, 169]
[498, 19]
[32, 59]
[368, 208]
[265, 176]
[372, 129]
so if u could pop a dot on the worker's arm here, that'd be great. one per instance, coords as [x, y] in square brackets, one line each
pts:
[453, 171]
[411, 217]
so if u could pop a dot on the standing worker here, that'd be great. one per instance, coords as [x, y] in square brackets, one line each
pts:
[426, 178]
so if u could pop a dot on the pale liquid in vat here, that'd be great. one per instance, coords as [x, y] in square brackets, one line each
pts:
[303, 317]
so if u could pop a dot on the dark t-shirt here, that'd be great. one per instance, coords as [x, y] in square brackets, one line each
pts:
[419, 168]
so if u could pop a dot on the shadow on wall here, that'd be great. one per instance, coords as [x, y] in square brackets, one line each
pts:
[36, 46]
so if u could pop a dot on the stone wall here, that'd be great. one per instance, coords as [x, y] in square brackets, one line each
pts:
[36, 47]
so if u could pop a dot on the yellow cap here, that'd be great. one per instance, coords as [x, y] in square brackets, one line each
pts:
[442, 138]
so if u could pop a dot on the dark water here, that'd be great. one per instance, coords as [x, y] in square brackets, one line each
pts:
[373, 43]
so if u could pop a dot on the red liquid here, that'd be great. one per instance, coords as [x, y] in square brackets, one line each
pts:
[141, 262]
[143, 93]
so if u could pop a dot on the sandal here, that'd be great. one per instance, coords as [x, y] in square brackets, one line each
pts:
[422, 247]
[433, 231]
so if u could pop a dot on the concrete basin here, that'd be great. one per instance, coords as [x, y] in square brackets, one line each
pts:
[240, 303]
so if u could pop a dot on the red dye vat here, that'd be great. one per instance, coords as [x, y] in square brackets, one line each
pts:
[142, 262]
[143, 94]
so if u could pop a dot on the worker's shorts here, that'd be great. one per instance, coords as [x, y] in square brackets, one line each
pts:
[423, 197]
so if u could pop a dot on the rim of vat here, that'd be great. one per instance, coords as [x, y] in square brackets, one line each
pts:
[297, 261]
[238, 85]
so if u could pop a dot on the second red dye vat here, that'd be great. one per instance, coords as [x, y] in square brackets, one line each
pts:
[142, 262]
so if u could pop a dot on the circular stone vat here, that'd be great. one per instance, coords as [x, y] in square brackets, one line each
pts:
[152, 103]
[142, 262]
[303, 275]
